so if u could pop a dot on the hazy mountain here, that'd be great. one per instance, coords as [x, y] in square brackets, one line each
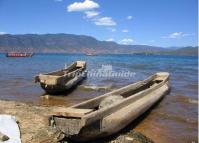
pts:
[192, 51]
[68, 43]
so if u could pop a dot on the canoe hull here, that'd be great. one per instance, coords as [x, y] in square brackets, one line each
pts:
[85, 121]
[60, 81]
[120, 119]
[61, 88]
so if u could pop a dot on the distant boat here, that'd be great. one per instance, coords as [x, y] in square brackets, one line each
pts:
[143, 54]
[17, 54]
[60, 81]
[90, 54]
[111, 112]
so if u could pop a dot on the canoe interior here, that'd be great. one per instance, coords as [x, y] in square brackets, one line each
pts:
[61, 77]
[130, 94]
[72, 68]
[125, 92]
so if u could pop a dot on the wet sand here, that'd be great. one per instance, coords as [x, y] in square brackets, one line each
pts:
[161, 124]
[32, 120]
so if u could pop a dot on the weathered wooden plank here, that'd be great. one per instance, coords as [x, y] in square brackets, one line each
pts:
[71, 112]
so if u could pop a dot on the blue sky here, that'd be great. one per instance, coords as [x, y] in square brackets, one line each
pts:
[151, 22]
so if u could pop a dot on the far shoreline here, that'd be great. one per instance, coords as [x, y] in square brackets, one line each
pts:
[109, 54]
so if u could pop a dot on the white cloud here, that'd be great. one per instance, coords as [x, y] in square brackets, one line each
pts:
[126, 41]
[91, 14]
[112, 29]
[3, 33]
[151, 41]
[105, 21]
[110, 40]
[129, 17]
[83, 6]
[58, 0]
[88, 8]
[125, 30]
[177, 35]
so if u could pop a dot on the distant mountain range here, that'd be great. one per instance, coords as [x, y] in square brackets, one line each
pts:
[69, 43]
[189, 51]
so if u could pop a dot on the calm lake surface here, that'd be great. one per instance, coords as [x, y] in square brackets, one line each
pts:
[174, 119]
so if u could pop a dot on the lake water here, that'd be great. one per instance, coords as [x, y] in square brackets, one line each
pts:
[173, 120]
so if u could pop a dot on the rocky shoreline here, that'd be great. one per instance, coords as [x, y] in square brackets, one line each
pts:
[33, 123]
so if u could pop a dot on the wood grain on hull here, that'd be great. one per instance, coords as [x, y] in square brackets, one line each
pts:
[60, 81]
[58, 89]
[138, 98]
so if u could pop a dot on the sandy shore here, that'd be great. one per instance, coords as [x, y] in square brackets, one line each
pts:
[33, 123]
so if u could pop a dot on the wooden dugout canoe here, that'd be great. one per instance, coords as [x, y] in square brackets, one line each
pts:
[62, 80]
[18, 55]
[87, 121]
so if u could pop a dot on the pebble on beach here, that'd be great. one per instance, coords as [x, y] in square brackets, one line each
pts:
[3, 137]
[131, 137]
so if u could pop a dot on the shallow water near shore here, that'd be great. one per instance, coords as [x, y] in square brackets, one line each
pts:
[174, 119]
